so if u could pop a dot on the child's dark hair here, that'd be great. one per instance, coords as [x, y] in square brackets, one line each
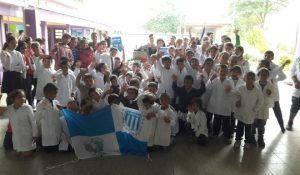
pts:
[197, 101]
[229, 44]
[164, 95]
[188, 77]
[113, 77]
[236, 68]
[47, 57]
[152, 84]
[240, 48]
[148, 99]
[270, 52]
[64, 61]
[223, 66]
[113, 99]
[263, 70]
[133, 88]
[99, 67]
[264, 62]
[166, 58]
[139, 75]
[50, 87]
[13, 95]
[207, 60]
[179, 60]
[103, 42]
[8, 40]
[21, 45]
[73, 101]
[134, 82]
[250, 74]
[136, 64]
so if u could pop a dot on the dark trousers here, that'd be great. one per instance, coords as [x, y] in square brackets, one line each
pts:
[241, 129]
[278, 114]
[28, 88]
[232, 124]
[7, 142]
[209, 117]
[224, 121]
[259, 124]
[50, 149]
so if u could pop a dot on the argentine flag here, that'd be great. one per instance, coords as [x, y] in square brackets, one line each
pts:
[113, 130]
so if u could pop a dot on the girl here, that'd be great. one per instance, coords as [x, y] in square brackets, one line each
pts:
[196, 117]
[166, 119]
[101, 76]
[22, 122]
[13, 66]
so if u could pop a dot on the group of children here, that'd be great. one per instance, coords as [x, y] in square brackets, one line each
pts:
[204, 89]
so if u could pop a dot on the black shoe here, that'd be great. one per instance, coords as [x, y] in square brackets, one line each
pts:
[282, 130]
[289, 127]
[261, 143]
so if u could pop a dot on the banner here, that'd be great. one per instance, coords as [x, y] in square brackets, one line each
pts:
[117, 42]
[113, 130]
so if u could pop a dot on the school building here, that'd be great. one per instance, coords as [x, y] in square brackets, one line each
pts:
[47, 19]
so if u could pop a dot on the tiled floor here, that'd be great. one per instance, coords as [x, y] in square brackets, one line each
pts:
[280, 157]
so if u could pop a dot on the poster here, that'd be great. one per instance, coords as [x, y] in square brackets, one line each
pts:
[117, 42]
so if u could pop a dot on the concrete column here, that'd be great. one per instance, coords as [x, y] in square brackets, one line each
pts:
[2, 32]
[44, 32]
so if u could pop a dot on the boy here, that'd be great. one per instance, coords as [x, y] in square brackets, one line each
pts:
[185, 94]
[218, 91]
[250, 100]
[129, 100]
[47, 117]
[65, 83]
[88, 83]
[165, 76]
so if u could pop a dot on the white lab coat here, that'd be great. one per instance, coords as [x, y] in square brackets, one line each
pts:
[147, 130]
[23, 127]
[198, 123]
[166, 80]
[219, 101]
[263, 112]
[47, 117]
[44, 76]
[181, 75]
[276, 74]
[99, 80]
[236, 85]
[66, 86]
[251, 102]
[163, 130]
[12, 61]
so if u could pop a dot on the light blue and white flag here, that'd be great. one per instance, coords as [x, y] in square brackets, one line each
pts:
[113, 130]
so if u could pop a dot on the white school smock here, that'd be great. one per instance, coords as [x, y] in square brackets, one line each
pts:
[66, 86]
[147, 130]
[276, 74]
[47, 117]
[166, 80]
[236, 84]
[163, 130]
[251, 102]
[44, 76]
[263, 112]
[23, 126]
[295, 71]
[198, 123]
[219, 101]
[195, 74]
[181, 75]
[12, 61]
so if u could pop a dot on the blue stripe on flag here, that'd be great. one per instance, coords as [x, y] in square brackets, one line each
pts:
[98, 123]
[130, 145]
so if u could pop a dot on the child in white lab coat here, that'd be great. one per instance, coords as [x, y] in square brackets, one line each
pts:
[196, 117]
[219, 104]
[267, 89]
[148, 109]
[45, 74]
[249, 101]
[22, 122]
[166, 118]
[66, 83]
[47, 117]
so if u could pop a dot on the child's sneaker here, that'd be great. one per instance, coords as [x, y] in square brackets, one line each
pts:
[237, 144]
[247, 145]
[261, 143]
